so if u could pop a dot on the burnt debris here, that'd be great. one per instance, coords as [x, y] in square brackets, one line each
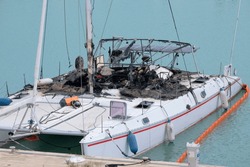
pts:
[144, 83]
[131, 69]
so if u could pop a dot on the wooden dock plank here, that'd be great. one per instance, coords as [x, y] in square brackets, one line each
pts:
[21, 158]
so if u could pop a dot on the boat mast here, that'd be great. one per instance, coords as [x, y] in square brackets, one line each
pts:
[38, 55]
[89, 43]
[39, 49]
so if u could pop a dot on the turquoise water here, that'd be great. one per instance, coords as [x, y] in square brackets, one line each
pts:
[227, 145]
[208, 24]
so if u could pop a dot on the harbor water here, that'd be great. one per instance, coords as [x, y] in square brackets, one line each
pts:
[208, 24]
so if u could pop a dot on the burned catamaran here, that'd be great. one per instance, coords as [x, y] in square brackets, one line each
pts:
[126, 105]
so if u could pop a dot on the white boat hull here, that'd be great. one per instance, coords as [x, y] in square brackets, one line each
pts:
[154, 134]
[3, 137]
[183, 112]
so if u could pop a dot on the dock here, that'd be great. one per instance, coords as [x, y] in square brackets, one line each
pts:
[22, 158]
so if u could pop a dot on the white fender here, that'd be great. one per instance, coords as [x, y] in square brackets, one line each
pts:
[223, 97]
[170, 131]
[44, 81]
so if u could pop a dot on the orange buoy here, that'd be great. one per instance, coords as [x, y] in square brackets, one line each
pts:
[70, 99]
[218, 121]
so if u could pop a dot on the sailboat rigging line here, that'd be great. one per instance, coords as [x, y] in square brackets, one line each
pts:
[163, 109]
[64, 121]
[174, 20]
[41, 70]
[42, 119]
[235, 32]
[24, 79]
[21, 144]
[195, 63]
[98, 116]
[65, 33]
[112, 139]
[80, 20]
[123, 153]
[104, 27]
[81, 130]
[234, 80]
[49, 102]
[220, 68]
[59, 68]
[7, 89]
[29, 106]
[160, 58]
[172, 14]
[55, 111]
[126, 125]
[16, 118]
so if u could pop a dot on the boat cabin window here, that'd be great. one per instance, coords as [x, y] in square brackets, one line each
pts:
[203, 94]
[145, 120]
[118, 110]
[201, 80]
[144, 104]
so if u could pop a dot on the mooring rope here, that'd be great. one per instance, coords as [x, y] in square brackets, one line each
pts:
[21, 144]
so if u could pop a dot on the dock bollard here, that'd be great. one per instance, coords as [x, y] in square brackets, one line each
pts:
[193, 154]
[12, 149]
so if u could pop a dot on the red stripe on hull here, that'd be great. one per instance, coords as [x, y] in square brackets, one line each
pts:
[154, 126]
